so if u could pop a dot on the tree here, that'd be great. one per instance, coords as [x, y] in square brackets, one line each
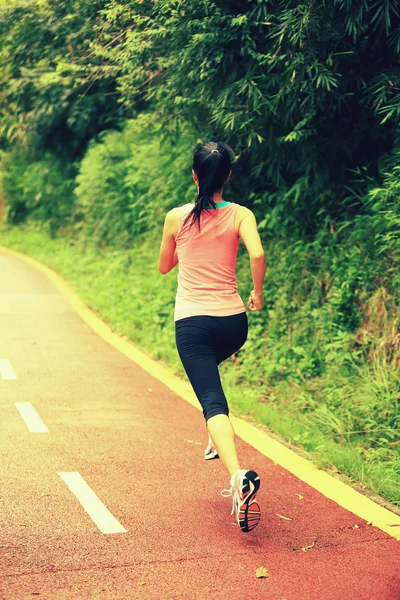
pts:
[50, 101]
[307, 92]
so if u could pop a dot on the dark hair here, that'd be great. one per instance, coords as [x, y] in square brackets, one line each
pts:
[212, 164]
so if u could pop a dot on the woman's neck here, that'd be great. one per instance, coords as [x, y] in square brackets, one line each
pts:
[217, 198]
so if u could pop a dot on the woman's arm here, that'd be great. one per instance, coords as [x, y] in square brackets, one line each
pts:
[168, 254]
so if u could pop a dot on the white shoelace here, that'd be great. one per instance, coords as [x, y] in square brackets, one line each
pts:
[231, 492]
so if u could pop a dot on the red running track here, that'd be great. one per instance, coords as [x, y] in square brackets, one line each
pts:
[139, 447]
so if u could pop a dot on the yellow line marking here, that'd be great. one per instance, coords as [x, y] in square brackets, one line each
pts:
[332, 488]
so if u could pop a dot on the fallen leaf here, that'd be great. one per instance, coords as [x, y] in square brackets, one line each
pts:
[282, 517]
[308, 547]
[190, 441]
[356, 526]
[300, 496]
[142, 583]
[261, 572]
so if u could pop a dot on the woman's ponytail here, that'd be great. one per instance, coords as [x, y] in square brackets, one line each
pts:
[212, 165]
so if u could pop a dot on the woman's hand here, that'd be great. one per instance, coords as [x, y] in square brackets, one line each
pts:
[256, 301]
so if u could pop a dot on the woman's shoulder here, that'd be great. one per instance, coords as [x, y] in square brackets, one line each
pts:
[243, 209]
[178, 212]
[179, 209]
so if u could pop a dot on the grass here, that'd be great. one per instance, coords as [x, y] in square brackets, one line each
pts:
[329, 417]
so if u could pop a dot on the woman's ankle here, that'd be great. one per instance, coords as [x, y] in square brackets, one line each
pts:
[232, 473]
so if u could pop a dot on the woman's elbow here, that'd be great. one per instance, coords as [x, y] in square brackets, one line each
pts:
[163, 270]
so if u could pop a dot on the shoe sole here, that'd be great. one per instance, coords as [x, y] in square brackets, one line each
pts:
[249, 513]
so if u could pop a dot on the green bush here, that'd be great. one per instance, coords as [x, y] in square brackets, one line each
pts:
[127, 182]
[42, 189]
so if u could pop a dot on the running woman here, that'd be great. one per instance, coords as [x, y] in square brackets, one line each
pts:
[210, 316]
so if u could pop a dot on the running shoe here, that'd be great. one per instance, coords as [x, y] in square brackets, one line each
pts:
[211, 451]
[244, 487]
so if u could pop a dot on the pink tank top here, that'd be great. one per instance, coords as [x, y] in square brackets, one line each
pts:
[207, 264]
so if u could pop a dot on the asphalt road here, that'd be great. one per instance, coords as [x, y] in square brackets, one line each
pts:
[158, 527]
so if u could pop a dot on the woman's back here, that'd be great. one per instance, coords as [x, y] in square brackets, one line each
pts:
[207, 264]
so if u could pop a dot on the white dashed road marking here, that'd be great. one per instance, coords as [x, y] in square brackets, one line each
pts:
[6, 370]
[99, 513]
[31, 418]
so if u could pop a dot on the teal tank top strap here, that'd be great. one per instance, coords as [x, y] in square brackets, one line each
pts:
[219, 205]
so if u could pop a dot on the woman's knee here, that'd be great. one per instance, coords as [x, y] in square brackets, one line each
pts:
[213, 411]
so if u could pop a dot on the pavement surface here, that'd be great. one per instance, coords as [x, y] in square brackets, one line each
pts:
[139, 447]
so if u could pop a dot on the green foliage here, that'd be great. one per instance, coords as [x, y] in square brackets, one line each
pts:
[128, 182]
[378, 227]
[42, 189]
[306, 93]
[50, 101]
[300, 90]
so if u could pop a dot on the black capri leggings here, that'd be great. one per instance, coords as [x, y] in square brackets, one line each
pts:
[203, 342]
